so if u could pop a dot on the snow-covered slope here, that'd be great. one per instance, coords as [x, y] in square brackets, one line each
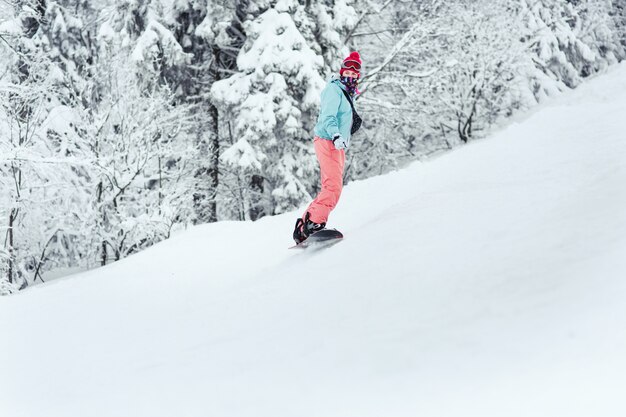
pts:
[490, 281]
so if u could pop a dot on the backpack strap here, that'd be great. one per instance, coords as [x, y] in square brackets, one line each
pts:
[345, 93]
[356, 119]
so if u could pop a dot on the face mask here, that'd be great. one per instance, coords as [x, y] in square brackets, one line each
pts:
[350, 84]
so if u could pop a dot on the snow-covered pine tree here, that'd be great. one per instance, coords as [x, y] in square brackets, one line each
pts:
[212, 36]
[597, 28]
[619, 17]
[570, 40]
[192, 23]
[270, 106]
[70, 28]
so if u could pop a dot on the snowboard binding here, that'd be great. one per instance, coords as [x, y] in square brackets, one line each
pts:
[305, 228]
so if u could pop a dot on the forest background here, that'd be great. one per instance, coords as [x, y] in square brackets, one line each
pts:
[122, 121]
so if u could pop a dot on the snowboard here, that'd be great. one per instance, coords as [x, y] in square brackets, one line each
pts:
[322, 239]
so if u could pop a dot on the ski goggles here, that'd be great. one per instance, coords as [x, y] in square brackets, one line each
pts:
[351, 65]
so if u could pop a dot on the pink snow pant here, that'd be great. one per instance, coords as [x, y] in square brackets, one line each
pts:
[331, 168]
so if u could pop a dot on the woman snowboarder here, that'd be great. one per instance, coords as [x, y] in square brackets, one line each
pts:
[336, 122]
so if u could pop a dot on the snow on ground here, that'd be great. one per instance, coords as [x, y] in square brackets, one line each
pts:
[487, 282]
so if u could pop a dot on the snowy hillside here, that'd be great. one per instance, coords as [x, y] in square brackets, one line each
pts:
[487, 282]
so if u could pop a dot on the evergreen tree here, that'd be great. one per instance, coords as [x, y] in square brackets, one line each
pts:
[199, 28]
[194, 31]
[619, 17]
[273, 101]
[571, 40]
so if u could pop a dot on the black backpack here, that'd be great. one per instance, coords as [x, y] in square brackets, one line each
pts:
[356, 119]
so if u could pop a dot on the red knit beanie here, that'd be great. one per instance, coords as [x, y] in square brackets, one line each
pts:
[352, 63]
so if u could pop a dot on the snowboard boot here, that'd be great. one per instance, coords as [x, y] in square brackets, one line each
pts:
[305, 228]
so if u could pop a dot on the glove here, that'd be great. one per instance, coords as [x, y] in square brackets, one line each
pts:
[340, 142]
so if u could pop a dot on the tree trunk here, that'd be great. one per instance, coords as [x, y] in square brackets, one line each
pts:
[257, 206]
[10, 249]
[215, 159]
[103, 253]
[206, 175]
[103, 244]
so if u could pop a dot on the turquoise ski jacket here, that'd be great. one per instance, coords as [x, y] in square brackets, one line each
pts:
[335, 112]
